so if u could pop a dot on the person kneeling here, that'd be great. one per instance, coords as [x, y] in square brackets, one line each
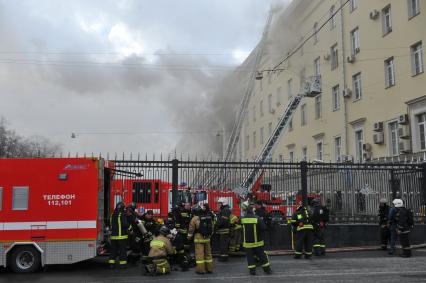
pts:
[160, 247]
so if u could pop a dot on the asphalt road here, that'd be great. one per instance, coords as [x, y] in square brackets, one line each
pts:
[365, 266]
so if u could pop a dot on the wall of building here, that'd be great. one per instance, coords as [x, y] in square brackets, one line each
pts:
[377, 102]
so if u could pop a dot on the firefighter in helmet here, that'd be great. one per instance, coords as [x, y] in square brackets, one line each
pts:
[161, 247]
[223, 228]
[320, 218]
[119, 229]
[403, 220]
[201, 230]
[302, 223]
[235, 233]
[182, 219]
[253, 229]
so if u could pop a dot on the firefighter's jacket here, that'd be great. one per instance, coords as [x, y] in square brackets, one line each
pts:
[235, 223]
[161, 246]
[223, 222]
[320, 215]
[193, 230]
[384, 215]
[183, 217]
[402, 219]
[119, 226]
[253, 228]
[302, 219]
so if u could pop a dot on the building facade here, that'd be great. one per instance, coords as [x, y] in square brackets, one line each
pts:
[370, 56]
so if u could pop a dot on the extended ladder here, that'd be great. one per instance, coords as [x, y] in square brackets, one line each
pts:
[267, 150]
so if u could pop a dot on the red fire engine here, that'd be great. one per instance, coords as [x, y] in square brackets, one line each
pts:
[156, 195]
[52, 211]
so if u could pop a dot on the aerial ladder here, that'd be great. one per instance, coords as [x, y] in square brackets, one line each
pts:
[310, 90]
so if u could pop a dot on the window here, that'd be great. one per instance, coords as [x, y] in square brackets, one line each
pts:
[335, 97]
[291, 156]
[289, 88]
[389, 72]
[359, 140]
[254, 139]
[337, 148]
[20, 198]
[317, 70]
[353, 4]
[302, 78]
[332, 18]
[141, 192]
[290, 125]
[356, 85]
[270, 128]
[261, 108]
[319, 151]
[270, 108]
[413, 8]
[279, 96]
[304, 153]
[303, 114]
[318, 106]
[315, 33]
[280, 158]
[417, 58]
[247, 142]
[261, 135]
[421, 124]
[254, 113]
[157, 192]
[393, 138]
[386, 20]
[334, 57]
[355, 41]
[1, 198]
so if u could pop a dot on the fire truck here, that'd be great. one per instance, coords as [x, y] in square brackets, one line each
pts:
[52, 211]
[156, 195]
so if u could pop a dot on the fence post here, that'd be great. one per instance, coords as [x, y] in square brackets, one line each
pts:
[175, 182]
[304, 182]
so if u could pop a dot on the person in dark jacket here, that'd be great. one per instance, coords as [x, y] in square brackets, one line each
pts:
[119, 227]
[384, 223]
[261, 211]
[253, 229]
[223, 228]
[302, 223]
[403, 221]
[320, 218]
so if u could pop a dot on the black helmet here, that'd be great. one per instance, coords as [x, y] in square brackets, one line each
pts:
[120, 206]
[164, 230]
[132, 206]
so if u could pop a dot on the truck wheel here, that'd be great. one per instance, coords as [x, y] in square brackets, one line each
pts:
[25, 259]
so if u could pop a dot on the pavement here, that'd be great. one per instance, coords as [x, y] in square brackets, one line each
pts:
[351, 266]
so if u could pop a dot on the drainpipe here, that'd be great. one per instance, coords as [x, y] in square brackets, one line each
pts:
[345, 100]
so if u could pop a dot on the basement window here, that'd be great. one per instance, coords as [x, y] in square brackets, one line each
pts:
[20, 198]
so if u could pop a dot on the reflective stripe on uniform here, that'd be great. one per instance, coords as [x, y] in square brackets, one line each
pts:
[208, 261]
[305, 227]
[201, 241]
[266, 264]
[249, 221]
[251, 266]
[200, 261]
[111, 261]
[157, 243]
[122, 262]
[253, 245]
[119, 237]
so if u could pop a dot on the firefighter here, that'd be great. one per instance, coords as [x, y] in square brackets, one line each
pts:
[148, 221]
[136, 232]
[384, 223]
[201, 230]
[223, 225]
[260, 210]
[119, 227]
[161, 247]
[182, 219]
[235, 234]
[320, 218]
[404, 221]
[302, 223]
[253, 228]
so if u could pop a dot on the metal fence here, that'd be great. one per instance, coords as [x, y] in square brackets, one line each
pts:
[350, 191]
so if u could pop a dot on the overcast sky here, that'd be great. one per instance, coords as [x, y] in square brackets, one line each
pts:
[125, 75]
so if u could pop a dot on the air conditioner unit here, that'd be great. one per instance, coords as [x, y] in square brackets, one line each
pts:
[378, 138]
[347, 93]
[351, 59]
[403, 119]
[327, 57]
[367, 156]
[378, 127]
[374, 14]
[404, 132]
[404, 146]
[366, 147]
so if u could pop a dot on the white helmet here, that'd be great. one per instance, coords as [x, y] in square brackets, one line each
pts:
[398, 202]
